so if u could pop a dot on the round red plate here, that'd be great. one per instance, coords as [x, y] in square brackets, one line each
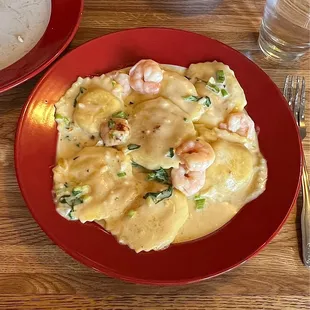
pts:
[63, 24]
[241, 238]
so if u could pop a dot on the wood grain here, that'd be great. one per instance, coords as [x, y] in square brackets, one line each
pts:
[36, 274]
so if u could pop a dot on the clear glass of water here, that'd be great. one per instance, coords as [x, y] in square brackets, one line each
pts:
[285, 29]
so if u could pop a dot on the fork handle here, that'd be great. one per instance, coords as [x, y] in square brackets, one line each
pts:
[305, 216]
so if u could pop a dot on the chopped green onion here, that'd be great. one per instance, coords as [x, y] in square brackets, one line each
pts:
[121, 174]
[200, 202]
[170, 153]
[185, 119]
[191, 98]
[201, 100]
[159, 196]
[220, 76]
[63, 199]
[131, 213]
[82, 90]
[70, 214]
[78, 201]
[213, 87]
[224, 92]
[59, 117]
[80, 190]
[160, 175]
[113, 83]
[120, 114]
[76, 192]
[111, 123]
[207, 103]
[133, 146]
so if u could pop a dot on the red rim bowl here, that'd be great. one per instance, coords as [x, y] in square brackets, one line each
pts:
[248, 232]
[58, 35]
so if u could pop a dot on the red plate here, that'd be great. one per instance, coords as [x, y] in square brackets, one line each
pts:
[253, 227]
[59, 33]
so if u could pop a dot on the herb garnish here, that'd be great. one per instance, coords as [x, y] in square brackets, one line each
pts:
[82, 90]
[160, 175]
[220, 76]
[205, 101]
[120, 114]
[133, 146]
[159, 196]
[170, 153]
[131, 213]
[121, 174]
[111, 123]
[199, 202]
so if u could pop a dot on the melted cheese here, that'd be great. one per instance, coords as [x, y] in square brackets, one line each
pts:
[158, 125]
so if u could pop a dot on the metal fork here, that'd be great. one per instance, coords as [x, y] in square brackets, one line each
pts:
[295, 94]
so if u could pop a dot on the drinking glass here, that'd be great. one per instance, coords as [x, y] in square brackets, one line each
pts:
[285, 29]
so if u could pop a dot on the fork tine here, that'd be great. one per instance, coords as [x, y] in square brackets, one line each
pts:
[287, 87]
[302, 100]
[297, 100]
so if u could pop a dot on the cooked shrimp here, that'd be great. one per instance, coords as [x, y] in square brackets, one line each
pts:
[115, 131]
[145, 77]
[241, 124]
[123, 80]
[195, 155]
[188, 182]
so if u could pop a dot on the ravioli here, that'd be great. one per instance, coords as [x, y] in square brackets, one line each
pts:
[153, 226]
[221, 106]
[202, 222]
[177, 88]
[236, 177]
[94, 107]
[232, 171]
[157, 126]
[106, 171]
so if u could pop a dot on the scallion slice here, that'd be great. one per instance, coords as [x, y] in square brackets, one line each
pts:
[120, 114]
[111, 123]
[170, 153]
[199, 202]
[224, 92]
[213, 87]
[220, 76]
[131, 213]
[133, 146]
[121, 174]
[191, 98]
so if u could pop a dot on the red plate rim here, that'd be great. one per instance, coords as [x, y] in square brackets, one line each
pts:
[113, 273]
[56, 53]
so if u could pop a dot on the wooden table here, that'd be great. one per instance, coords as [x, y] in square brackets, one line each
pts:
[36, 274]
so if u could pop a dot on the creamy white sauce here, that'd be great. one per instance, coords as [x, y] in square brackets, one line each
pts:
[22, 24]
